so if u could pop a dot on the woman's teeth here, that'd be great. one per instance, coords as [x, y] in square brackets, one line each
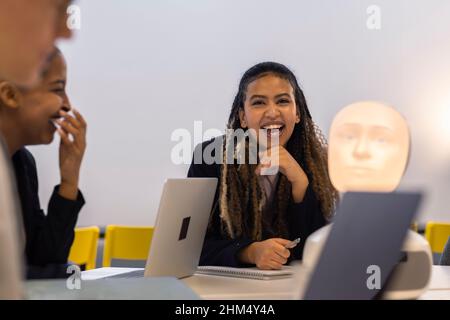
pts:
[274, 130]
[273, 126]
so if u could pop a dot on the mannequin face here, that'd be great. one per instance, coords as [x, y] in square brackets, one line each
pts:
[368, 148]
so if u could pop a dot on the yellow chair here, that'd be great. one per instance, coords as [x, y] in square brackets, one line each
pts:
[126, 242]
[437, 234]
[84, 247]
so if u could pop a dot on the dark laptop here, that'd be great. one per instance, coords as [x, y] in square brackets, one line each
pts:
[365, 241]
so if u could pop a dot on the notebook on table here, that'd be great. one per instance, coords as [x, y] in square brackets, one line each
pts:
[249, 273]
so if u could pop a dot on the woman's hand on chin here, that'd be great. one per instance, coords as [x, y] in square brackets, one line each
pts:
[279, 159]
[71, 152]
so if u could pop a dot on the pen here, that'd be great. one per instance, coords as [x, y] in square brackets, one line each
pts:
[293, 243]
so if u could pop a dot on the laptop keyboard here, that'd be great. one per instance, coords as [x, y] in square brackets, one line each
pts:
[129, 275]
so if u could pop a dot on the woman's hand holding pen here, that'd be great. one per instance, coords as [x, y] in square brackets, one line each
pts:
[268, 254]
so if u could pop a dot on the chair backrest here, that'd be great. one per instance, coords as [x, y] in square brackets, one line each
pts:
[437, 234]
[126, 242]
[84, 247]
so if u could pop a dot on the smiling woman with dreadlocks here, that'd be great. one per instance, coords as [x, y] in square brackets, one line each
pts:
[255, 216]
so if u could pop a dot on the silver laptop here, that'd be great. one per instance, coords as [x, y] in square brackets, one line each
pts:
[180, 228]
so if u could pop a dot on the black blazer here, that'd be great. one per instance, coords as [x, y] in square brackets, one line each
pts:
[303, 219]
[48, 237]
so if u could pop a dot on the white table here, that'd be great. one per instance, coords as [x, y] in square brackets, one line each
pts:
[439, 288]
[217, 287]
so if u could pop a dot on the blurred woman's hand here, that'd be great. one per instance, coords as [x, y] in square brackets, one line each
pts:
[71, 152]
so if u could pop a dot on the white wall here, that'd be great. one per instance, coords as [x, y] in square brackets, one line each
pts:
[140, 69]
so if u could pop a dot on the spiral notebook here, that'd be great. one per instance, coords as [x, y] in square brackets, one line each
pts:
[249, 273]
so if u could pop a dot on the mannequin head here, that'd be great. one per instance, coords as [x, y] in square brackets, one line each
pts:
[368, 148]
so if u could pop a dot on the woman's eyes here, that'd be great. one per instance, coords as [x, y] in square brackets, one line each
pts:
[257, 102]
[261, 102]
[58, 90]
[283, 101]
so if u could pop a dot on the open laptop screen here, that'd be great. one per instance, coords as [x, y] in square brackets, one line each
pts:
[365, 242]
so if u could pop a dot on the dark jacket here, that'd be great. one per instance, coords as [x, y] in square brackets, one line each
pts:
[48, 237]
[303, 219]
